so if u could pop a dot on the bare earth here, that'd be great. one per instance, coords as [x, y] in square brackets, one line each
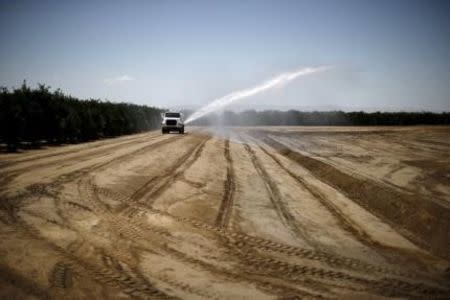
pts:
[254, 213]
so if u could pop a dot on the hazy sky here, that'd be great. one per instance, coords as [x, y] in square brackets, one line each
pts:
[387, 55]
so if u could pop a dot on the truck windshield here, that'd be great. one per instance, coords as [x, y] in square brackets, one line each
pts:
[172, 115]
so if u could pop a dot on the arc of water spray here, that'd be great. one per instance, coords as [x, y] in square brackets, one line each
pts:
[272, 83]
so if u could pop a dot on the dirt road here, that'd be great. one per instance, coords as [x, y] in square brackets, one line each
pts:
[250, 213]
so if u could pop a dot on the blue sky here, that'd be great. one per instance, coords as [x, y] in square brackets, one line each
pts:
[387, 55]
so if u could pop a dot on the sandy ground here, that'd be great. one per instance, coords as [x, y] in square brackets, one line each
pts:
[250, 213]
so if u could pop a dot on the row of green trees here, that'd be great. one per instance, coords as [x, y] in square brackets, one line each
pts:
[294, 117]
[34, 116]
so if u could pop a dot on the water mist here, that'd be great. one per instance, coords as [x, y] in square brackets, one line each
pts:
[241, 94]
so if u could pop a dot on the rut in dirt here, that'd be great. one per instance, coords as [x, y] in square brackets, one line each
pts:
[276, 199]
[391, 254]
[388, 204]
[229, 187]
[275, 268]
[149, 192]
[106, 145]
[247, 250]
[8, 176]
[80, 154]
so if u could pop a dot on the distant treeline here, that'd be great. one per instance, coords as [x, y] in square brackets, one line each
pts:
[35, 116]
[294, 117]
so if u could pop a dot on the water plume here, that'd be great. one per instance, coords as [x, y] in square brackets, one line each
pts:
[241, 94]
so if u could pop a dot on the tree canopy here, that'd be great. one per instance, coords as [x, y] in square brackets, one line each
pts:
[41, 115]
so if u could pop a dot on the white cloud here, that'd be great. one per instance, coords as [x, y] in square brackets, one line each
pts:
[118, 79]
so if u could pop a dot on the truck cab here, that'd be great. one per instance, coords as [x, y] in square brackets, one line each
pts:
[172, 121]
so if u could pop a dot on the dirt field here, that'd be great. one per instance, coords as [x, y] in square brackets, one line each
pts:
[255, 213]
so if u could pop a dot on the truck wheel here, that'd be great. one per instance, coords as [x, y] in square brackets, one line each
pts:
[163, 131]
[182, 130]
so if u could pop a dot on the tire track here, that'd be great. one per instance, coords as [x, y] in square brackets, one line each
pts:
[156, 185]
[262, 244]
[132, 274]
[125, 280]
[134, 229]
[344, 222]
[226, 206]
[111, 271]
[237, 245]
[257, 262]
[391, 254]
[186, 287]
[61, 276]
[83, 147]
[73, 175]
[276, 199]
[8, 176]
[270, 246]
[388, 286]
[88, 154]
[254, 262]
[399, 210]
[179, 171]
[280, 289]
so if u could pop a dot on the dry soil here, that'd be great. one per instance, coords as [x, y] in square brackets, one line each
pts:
[234, 213]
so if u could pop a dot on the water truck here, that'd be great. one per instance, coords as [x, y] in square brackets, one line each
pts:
[172, 121]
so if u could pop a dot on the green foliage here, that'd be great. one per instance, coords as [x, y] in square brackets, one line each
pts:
[39, 115]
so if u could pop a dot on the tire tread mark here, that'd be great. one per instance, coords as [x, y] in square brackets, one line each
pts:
[112, 142]
[85, 170]
[61, 276]
[344, 222]
[179, 171]
[226, 206]
[393, 207]
[294, 272]
[155, 186]
[129, 284]
[263, 284]
[330, 259]
[89, 153]
[134, 230]
[276, 199]
[291, 272]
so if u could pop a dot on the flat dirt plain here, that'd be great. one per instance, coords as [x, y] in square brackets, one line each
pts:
[253, 213]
